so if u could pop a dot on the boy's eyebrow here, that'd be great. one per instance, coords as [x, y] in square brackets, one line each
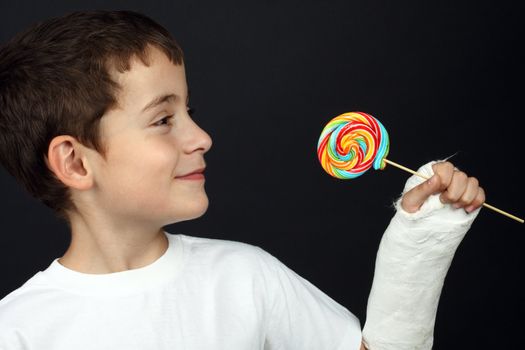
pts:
[161, 99]
[158, 100]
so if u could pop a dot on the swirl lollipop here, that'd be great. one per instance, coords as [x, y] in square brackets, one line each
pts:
[353, 142]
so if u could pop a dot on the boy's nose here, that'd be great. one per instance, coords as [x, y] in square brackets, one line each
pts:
[198, 140]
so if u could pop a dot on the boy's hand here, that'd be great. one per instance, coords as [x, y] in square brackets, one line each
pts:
[455, 186]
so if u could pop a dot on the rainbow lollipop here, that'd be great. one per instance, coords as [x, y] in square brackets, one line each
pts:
[353, 142]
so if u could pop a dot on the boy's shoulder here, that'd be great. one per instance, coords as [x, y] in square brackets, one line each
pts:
[222, 251]
[22, 300]
[208, 245]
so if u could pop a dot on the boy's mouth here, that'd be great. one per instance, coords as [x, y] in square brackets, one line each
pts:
[194, 175]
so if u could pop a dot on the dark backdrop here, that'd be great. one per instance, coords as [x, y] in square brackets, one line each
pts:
[443, 77]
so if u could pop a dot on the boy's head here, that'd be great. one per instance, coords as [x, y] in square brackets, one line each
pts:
[74, 127]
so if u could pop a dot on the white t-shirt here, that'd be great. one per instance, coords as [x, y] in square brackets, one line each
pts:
[200, 294]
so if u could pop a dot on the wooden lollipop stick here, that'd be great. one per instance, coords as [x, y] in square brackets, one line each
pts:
[486, 205]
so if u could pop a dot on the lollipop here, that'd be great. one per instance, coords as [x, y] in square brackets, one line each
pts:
[353, 142]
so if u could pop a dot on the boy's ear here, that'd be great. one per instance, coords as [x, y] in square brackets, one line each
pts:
[66, 160]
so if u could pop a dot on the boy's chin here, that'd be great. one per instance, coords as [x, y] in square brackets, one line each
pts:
[191, 212]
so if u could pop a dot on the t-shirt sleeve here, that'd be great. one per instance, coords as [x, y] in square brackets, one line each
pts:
[302, 317]
[10, 341]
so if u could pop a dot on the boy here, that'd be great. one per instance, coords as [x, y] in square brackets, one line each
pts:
[94, 122]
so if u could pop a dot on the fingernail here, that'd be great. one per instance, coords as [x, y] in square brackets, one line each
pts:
[469, 209]
[456, 205]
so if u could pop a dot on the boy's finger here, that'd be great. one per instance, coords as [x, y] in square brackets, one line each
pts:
[456, 188]
[470, 193]
[478, 201]
[445, 170]
[413, 199]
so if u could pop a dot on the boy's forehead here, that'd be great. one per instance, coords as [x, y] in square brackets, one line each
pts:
[149, 83]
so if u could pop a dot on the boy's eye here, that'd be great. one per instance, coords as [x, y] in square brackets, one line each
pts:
[164, 121]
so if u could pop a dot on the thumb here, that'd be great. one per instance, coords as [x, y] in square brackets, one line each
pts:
[414, 199]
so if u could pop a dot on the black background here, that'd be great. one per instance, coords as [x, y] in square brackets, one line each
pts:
[265, 77]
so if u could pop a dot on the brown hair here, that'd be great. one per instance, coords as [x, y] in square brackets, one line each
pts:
[55, 80]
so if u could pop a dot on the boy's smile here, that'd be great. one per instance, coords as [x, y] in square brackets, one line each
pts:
[152, 170]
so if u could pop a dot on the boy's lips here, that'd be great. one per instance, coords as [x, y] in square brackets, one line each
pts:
[193, 175]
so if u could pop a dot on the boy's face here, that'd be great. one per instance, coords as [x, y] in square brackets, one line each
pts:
[150, 149]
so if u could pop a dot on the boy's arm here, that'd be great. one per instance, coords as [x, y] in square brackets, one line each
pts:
[415, 254]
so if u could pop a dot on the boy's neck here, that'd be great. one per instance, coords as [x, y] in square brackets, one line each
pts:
[100, 250]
